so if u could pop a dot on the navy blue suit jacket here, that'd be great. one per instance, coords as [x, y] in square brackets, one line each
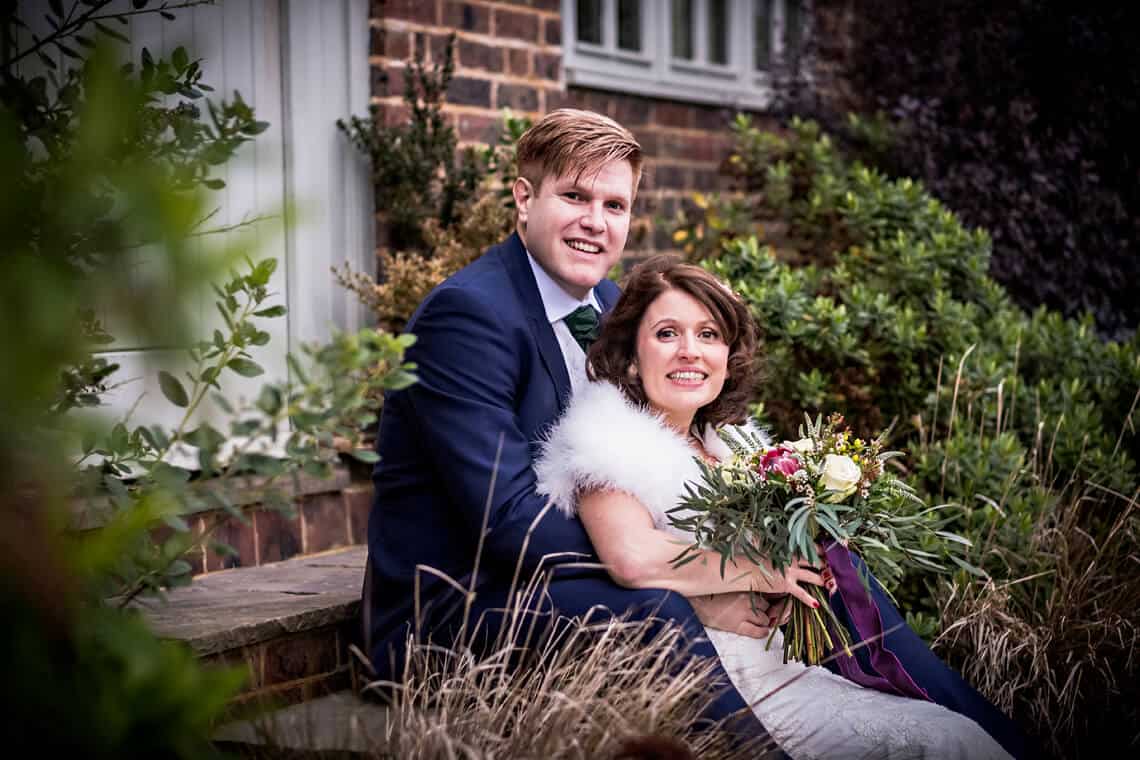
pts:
[489, 366]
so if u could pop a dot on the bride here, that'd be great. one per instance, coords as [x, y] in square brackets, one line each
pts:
[672, 365]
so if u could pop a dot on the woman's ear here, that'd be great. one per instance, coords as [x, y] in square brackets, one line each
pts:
[523, 191]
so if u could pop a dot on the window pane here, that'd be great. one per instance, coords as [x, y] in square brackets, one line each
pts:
[590, 21]
[793, 32]
[718, 31]
[762, 34]
[629, 24]
[683, 29]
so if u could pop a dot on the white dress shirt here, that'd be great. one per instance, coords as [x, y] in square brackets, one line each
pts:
[559, 304]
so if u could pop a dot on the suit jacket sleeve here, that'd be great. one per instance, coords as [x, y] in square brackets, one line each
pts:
[469, 371]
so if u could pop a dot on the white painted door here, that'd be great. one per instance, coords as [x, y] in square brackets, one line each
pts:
[300, 65]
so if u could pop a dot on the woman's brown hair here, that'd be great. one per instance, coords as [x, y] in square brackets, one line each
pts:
[612, 355]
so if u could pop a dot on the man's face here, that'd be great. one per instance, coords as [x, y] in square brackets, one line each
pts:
[576, 227]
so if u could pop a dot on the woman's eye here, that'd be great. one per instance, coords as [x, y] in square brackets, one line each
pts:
[667, 332]
[710, 335]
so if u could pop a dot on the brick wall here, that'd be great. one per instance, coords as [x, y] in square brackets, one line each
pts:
[509, 54]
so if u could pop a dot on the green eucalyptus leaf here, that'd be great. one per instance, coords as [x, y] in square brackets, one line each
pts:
[172, 388]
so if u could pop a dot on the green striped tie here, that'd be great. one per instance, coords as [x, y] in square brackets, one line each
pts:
[583, 324]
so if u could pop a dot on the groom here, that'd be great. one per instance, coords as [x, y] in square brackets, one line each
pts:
[500, 348]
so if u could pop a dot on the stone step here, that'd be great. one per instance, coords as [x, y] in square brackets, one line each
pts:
[337, 725]
[290, 623]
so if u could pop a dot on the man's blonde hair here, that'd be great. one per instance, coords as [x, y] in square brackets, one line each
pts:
[570, 139]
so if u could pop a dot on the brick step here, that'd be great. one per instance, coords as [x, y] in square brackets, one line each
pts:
[340, 725]
[290, 623]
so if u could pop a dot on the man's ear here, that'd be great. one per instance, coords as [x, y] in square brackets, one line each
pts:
[523, 191]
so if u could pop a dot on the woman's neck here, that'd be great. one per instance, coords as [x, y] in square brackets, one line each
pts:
[682, 423]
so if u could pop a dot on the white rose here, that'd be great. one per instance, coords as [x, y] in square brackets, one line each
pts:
[840, 474]
[803, 445]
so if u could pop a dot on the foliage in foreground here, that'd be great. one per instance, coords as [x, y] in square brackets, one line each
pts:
[110, 168]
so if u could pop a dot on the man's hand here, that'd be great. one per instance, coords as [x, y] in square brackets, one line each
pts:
[742, 613]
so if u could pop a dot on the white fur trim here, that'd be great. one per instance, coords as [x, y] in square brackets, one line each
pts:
[605, 441]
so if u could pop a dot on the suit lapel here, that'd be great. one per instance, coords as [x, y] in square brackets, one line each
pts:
[518, 268]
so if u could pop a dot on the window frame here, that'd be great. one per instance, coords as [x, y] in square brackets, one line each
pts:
[654, 72]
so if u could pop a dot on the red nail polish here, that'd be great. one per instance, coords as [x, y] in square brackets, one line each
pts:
[815, 604]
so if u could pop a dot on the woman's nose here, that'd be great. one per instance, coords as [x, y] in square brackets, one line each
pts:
[689, 346]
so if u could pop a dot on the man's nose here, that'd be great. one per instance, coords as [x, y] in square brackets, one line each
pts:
[593, 218]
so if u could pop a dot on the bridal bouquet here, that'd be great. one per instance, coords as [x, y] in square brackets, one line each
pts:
[821, 498]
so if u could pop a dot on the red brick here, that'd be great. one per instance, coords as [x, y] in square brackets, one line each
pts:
[470, 17]
[423, 11]
[468, 91]
[712, 119]
[471, 128]
[394, 113]
[553, 31]
[669, 114]
[358, 498]
[548, 66]
[476, 55]
[632, 111]
[650, 144]
[278, 538]
[690, 147]
[247, 657]
[705, 179]
[670, 177]
[518, 97]
[326, 525]
[393, 44]
[387, 80]
[521, 25]
[239, 537]
[431, 45]
[519, 62]
[556, 99]
[299, 656]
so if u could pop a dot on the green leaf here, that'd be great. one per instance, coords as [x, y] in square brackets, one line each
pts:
[272, 311]
[179, 58]
[366, 455]
[177, 523]
[223, 403]
[173, 390]
[179, 567]
[245, 367]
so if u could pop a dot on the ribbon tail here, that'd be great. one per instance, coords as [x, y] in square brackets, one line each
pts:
[889, 673]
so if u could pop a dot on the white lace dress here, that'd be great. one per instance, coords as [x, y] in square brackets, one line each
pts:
[604, 441]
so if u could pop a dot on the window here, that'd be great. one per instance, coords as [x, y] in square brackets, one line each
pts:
[710, 51]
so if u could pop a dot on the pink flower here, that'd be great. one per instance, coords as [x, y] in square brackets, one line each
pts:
[779, 459]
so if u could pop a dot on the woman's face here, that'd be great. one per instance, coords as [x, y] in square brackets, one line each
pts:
[682, 357]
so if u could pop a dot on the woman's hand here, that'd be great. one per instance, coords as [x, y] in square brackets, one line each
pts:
[789, 582]
[739, 612]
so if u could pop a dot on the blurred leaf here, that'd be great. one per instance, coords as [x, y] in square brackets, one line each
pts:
[172, 389]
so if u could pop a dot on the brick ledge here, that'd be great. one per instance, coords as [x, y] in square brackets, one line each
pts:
[242, 607]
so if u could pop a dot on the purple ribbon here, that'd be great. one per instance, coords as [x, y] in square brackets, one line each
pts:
[888, 673]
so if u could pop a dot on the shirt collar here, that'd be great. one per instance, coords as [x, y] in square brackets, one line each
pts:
[557, 302]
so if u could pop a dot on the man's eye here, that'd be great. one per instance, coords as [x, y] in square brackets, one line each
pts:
[573, 196]
[617, 206]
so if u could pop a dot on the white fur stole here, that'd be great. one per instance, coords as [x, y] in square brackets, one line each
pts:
[606, 441]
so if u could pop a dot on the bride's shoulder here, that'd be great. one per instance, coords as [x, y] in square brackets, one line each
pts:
[746, 432]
